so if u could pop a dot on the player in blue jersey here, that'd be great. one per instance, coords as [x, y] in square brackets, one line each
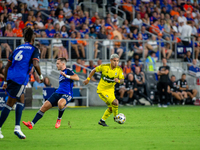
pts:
[16, 78]
[61, 97]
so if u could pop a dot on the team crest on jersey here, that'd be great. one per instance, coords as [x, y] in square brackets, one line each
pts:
[107, 96]
[115, 73]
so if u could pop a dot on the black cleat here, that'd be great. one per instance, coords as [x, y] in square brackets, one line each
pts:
[103, 123]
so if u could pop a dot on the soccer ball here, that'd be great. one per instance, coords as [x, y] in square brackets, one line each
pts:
[120, 118]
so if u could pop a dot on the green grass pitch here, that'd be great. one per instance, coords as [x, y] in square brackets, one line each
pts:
[146, 128]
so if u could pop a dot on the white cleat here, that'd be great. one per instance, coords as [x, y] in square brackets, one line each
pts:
[20, 134]
[1, 135]
[165, 106]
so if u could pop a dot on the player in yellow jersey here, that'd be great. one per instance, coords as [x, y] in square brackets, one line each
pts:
[111, 74]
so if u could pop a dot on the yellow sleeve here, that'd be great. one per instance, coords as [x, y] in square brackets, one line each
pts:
[98, 68]
[121, 75]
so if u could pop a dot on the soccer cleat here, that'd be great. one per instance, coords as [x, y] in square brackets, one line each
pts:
[58, 123]
[1, 135]
[103, 123]
[20, 134]
[159, 105]
[28, 124]
[165, 106]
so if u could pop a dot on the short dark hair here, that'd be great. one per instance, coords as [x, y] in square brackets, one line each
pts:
[28, 34]
[62, 59]
[183, 74]
[173, 76]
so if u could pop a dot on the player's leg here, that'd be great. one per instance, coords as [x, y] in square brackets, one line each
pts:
[176, 95]
[5, 112]
[18, 114]
[108, 111]
[61, 108]
[115, 104]
[52, 101]
[194, 93]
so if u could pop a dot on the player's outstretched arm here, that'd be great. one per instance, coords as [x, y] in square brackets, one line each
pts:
[90, 76]
[119, 81]
[37, 68]
[5, 74]
[72, 77]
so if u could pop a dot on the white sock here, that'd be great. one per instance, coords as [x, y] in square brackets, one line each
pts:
[32, 124]
[102, 119]
[0, 129]
[59, 118]
[17, 127]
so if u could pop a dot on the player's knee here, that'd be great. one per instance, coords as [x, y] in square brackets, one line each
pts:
[115, 102]
[110, 109]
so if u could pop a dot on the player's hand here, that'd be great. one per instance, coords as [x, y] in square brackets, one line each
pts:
[116, 80]
[86, 82]
[4, 86]
[62, 73]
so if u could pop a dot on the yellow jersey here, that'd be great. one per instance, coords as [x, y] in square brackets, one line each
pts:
[107, 76]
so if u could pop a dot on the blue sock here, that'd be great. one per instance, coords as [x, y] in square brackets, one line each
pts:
[60, 112]
[4, 114]
[38, 116]
[18, 112]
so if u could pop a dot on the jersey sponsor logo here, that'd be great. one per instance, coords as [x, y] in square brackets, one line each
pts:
[107, 79]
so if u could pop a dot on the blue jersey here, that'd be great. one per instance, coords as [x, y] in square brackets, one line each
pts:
[65, 84]
[22, 62]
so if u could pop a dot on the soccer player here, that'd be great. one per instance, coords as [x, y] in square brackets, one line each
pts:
[111, 74]
[16, 78]
[61, 97]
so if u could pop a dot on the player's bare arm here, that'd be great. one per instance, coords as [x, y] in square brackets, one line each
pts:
[5, 74]
[72, 77]
[37, 68]
[89, 77]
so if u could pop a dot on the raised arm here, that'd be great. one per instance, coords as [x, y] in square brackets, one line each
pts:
[37, 68]
[72, 77]
[89, 77]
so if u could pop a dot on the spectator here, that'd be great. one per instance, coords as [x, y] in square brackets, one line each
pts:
[36, 30]
[137, 22]
[77, 68]
[137, 64]
[29, 22]
[67, 10]
[182, 18]
[91, 67]
[115, 19]
[183, 86]
[60, 21]
[179, 95]
[57, 28]
[136, 56]
[43, 4]
[17, 31]
[99, 62]
[31, 13]
[93, 19]
[21, 22]
[144, 34]
[186, 33]
[174, 11]
[126, 25]
[188, 58]
[63, 32]
[2, 22]
[151, 62]
[8, 32]
[102, 33]
[72, 29]
[152, 44]
[167, 6]
[32, 4]
[81, 44]
[39, 23]
[58, 48]
[85, 29]
[128, 10]
[108, 23]
[50, 32]
[92, 33]
[154, 27]
[167, 26]
[74, 44]
[10, 21]
[128, 68]
[44, 46]
[117, 49]
[47, 82]
[146, 19]
[108, 44]
[194, 29]
[5, 47]
[14, 14]
[163, 83]
[194, 67]
[166, 51]
[49, 21]
[37, 83]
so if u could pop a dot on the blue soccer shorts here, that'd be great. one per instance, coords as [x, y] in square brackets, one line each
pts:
[14, 89]
[55, 97]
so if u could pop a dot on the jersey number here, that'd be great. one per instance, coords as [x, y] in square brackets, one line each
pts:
[19, 56]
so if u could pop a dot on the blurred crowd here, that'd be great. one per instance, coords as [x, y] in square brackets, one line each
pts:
[155, 21]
